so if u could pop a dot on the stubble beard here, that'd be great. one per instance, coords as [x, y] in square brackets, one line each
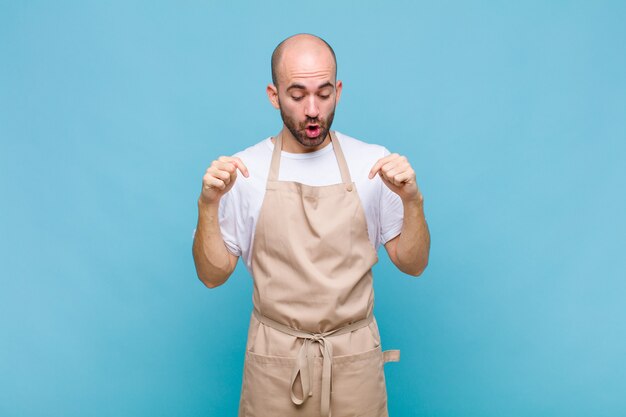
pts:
[298, 130]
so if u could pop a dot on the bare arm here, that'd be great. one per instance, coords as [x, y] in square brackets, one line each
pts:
[214, 263]
[409, 250]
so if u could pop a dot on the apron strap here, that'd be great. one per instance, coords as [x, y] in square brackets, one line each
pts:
[341, 160]
[304, 359]
[275, 164]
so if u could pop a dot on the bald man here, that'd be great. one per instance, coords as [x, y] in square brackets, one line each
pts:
[307, 210]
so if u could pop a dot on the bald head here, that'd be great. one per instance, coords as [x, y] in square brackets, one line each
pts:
[297, 45]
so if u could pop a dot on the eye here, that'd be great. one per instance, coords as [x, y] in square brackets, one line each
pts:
[324, 96]
[297, 98]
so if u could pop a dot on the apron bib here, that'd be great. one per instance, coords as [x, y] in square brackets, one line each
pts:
[313, 344]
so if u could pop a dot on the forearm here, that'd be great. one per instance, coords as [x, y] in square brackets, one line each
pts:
[413, 244]
[212, 259]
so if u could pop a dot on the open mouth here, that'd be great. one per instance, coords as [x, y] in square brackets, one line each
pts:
[313, 131]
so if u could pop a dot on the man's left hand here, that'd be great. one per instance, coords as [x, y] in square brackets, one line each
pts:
[397, 174]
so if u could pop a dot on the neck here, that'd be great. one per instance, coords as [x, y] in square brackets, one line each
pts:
[291, 144]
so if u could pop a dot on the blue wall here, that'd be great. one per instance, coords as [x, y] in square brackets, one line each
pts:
[512, 113]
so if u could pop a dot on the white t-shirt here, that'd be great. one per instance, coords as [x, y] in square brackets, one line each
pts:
[239, 208]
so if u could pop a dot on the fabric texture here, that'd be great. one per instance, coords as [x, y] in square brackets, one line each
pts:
[313, 345]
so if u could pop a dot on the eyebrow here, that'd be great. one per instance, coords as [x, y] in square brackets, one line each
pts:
[302, 87]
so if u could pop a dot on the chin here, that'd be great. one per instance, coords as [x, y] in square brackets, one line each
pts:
[311, 142]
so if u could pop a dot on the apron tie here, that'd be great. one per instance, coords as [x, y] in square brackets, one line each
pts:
[304, 367]
[305, 358]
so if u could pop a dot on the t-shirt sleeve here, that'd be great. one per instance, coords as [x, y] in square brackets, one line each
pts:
[227, 216]
[391, 212]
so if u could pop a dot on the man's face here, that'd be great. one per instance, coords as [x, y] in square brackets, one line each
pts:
[307, 94]
[308, 109]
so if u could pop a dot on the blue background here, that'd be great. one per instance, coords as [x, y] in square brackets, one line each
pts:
[513, 115]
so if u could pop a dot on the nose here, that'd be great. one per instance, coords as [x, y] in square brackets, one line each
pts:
[312, 109]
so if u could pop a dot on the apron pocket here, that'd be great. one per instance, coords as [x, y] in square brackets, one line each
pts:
[266, 388]
[358, 387]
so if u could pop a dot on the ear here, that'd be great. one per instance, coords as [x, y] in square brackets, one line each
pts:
[338, 88]
[272, 94]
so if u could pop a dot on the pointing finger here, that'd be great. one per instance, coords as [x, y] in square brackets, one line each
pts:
[379, 164]
[241, 166]
[238, 163]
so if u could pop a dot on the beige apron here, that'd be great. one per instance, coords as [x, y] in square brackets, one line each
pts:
[313, 344]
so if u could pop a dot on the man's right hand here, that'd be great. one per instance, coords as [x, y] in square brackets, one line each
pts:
[220, 178]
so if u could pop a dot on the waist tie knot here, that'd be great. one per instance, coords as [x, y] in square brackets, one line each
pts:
[305, 358]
